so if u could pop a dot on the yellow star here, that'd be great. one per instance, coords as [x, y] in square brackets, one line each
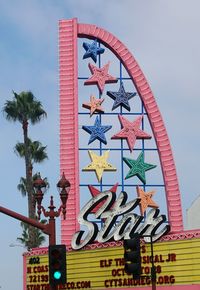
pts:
[99, 164]
[146, 200]
[94, 105]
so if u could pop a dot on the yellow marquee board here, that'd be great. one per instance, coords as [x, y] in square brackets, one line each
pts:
[177, 263]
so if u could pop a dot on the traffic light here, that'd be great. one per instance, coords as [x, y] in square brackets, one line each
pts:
[57, 264]
[132, 256]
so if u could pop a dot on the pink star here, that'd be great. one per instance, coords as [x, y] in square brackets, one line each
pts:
[130, 131]
[100, 76]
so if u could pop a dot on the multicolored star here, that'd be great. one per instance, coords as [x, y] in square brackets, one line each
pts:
[92, 50]
[99, 164]
[97, 131]
[145, 200]
[100, 77]
[121, 98]
[94, 192]
[138, 167]
[130, 131]
[94, 105]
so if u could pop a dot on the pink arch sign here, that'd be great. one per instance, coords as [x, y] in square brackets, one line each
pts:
[70, 30]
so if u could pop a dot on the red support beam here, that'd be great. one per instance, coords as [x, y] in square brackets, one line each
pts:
[32, 222]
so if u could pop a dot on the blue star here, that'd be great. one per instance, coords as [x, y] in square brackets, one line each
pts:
[97, 131]
[121, 98]
[92, 50]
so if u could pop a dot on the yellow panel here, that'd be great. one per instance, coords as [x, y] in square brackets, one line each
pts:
[177, 263]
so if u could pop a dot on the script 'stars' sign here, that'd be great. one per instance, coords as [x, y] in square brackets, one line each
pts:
[125, 226]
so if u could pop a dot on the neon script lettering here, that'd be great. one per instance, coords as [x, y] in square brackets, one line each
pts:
[120, 213]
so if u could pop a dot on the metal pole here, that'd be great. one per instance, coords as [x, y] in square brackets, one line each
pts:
[52, 229]
[25, 219]
[48, 229]
[153, 269]
[52, 241]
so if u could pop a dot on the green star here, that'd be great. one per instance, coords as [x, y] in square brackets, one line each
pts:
[138, 167]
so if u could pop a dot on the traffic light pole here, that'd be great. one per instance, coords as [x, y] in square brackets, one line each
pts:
[153, 269]
[49, 228]
[44, 227]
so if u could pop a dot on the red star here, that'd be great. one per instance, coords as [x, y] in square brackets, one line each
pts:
[94, 105]
[100, 76]
[94, 192]
[130, 131]
[146, 200]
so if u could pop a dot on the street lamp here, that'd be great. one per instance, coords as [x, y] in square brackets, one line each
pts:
[49, 228]
[63, 186]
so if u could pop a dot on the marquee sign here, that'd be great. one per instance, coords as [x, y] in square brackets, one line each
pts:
[176, 262]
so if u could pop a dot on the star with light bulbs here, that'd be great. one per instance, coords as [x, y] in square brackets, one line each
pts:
[94, 105]
[97, 131]
[121, 98]
[131, 131]
[99, 164]
[100, 77]
[145, 199]
[138, 167]
[92, 50]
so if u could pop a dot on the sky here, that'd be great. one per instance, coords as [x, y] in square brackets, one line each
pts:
[163, 36]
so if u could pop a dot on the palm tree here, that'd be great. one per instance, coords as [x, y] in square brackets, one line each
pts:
[25, 108]
[37, 152]
[25, 239]
[37, 236]
[22, 186]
